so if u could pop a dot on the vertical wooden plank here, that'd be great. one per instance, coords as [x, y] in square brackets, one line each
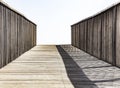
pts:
[72, 32]
[32, 35]
[114, 36]
[22, 39]
[107, 36]
[95, 37]
[13, 35]
[88, 36]
[27, 41]
[104, 36]
[35, 34]
[117, 37]
[20, 36]
[110, 28]
[71, 35]
[4, 37]
[24, 35]
[80, 35]
[18, 28]
[99, 37]
[74, 36]
[91, 35]
[12, 38]
[29, 33]
[1, 34]
[7, 36]
[77, 35]
[16, 53]
[85, 35]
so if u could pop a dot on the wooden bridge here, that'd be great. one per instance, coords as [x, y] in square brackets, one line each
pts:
[58, 67]
[61, 66]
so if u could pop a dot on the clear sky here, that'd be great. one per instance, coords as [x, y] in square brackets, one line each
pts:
[54, 17]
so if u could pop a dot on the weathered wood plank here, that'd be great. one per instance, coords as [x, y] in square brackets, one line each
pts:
[117, 37]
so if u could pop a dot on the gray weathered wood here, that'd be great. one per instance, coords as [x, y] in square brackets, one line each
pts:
[99, 35]
[17, 34]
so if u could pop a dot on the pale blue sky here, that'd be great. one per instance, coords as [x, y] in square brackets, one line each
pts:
[54, 17]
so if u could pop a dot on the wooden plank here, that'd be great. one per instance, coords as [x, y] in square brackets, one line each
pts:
[118, 36]
[80, 35]
[77, 28]
[99, 36]
[5, 37]
[8, 36]
[110, 28]
[107, 36]
[88, 36]
[1, 33]
[74, 36]
[85, 36]
[16, 52]
[91, 35]
[114, 28]
[12, 36]
[95, 37]
[104, 36]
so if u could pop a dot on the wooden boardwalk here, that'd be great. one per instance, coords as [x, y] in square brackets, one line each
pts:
[40, 67]
[61, 66]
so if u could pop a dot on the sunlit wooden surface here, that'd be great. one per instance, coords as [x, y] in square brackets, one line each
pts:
[40, 67]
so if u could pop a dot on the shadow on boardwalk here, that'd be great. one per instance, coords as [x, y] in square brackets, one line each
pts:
[74, 72]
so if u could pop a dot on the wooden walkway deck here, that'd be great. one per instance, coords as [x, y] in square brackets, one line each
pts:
[40, 67]
[61, 66]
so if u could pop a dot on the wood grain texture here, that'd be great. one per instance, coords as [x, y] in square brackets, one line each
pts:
[40, 67]
[99, 35]
[17, 35]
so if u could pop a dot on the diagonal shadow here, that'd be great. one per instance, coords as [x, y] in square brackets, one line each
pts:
[74, 72]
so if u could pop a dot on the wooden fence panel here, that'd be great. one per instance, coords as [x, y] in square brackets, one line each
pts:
[99, 35]
[17, 34]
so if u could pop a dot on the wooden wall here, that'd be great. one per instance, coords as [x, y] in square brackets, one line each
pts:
[17, 34]
[100, 35]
